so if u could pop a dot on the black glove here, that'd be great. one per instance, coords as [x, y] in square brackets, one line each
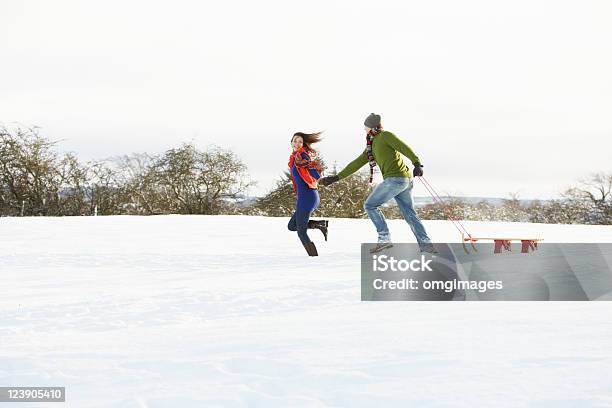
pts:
[326, 181]
[418, 170]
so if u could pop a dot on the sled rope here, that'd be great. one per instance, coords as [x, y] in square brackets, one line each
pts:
[449, 212]
[501, 244]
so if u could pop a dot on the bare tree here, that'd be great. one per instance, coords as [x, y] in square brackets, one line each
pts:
[104, 191]
[71, 197]
[199, 182]
[280, 201]
[346, 197]
[137, 185]
[597, 188]
[597, 191]
[29, 168]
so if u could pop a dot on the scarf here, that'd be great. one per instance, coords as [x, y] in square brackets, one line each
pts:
[369, 139]
[303, 165]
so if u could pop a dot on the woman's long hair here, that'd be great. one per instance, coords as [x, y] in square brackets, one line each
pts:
[308, 140]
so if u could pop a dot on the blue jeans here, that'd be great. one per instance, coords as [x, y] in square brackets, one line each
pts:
[399, 188]
[299, 223]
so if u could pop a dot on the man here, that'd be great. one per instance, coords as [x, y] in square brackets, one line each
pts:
[383, 149]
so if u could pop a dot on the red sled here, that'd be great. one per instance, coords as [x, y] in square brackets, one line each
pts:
[503, 244]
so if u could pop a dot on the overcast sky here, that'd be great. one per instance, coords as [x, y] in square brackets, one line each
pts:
[495, 97]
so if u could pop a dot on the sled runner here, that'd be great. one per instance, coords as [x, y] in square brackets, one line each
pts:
[501, 244]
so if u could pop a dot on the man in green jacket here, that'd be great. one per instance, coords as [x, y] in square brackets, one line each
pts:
[383, 149]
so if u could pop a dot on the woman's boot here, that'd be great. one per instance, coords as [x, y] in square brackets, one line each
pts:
[311, 249]
[321, 225]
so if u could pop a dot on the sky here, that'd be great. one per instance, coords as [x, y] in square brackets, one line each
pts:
[496, 98]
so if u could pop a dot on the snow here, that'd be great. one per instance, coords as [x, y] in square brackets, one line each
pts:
[200, 311]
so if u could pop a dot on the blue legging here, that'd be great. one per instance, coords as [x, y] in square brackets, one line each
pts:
[299, 223]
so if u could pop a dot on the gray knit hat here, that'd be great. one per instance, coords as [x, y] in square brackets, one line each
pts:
[372, 121]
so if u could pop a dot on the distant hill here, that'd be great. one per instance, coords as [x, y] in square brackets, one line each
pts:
[495, 201]
[420, 201]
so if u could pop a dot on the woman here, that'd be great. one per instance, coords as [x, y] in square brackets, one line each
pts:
[305, 171]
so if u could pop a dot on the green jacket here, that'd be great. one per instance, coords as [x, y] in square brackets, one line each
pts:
[386, 148]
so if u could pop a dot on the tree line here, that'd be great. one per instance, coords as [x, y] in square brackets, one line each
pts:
[36, 179]
[589, 202]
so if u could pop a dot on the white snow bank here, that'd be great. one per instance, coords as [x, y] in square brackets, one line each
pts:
[193, 311]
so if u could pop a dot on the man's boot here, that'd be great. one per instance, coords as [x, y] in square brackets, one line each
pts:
[428, 248]
[380, 246]
[311, 249]
[320, 225]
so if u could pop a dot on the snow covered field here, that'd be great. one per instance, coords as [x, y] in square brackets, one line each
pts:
[200, 311]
